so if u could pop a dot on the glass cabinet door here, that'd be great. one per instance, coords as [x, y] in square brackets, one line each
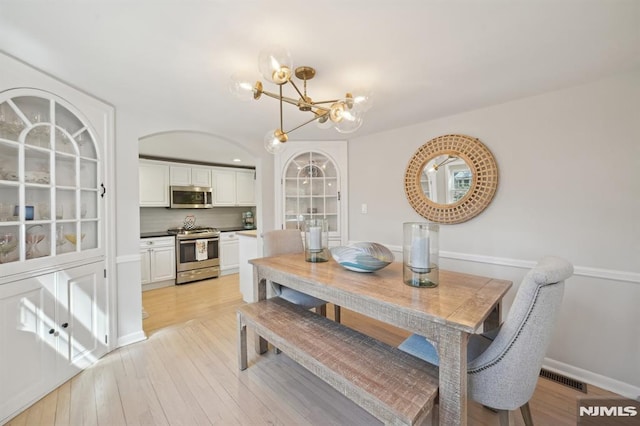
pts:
[311, 190]
[49, 178]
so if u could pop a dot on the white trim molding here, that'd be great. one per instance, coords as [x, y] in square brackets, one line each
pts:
[621, 388]
[608, 274]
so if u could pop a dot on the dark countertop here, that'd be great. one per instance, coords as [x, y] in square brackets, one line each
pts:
[155, 234]
[166, 234]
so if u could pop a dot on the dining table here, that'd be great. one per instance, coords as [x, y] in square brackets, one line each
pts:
[446, 314]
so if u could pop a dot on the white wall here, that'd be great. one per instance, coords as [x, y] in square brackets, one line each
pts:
[569, 164]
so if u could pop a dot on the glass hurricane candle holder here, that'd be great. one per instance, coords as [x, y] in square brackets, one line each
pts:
[316, 240]
[420, 254]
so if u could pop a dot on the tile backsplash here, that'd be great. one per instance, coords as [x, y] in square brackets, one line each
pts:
[153, 219]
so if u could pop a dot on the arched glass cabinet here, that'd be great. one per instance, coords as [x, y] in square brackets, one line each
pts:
[50, 182]
[313, 178]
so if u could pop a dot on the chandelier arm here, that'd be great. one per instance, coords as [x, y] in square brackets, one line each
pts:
[297, 90]
[326, 102]
[315, 117]
[284, 98]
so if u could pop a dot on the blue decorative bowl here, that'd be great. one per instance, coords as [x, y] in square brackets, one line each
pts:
[362, 257]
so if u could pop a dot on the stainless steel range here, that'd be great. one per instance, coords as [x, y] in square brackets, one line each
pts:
[197, 253]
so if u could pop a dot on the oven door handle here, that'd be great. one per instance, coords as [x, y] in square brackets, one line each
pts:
[193, 240]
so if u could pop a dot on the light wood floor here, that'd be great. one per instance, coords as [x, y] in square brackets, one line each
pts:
[186, 373]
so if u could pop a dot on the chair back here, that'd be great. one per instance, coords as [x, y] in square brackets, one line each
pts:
[282, 241]
[504, 376]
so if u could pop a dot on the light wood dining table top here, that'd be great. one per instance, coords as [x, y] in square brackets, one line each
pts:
[461, 301]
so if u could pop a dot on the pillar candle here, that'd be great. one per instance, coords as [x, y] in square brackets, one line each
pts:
[420, 252]
[315, 241]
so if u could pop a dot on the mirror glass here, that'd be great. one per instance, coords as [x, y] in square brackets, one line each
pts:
[446, 179]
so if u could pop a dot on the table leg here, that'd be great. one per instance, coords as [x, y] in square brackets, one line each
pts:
[452, 351]
[259, 291]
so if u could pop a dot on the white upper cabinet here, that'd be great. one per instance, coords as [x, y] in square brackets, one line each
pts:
[154, 184]
[233, 187]
[188, 175]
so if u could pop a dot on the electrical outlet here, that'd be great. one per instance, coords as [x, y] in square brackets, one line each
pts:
[363, 209]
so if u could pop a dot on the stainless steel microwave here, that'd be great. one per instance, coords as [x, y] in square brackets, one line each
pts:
[191, 197]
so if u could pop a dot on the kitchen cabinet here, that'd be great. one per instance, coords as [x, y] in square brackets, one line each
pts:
[187, 175]
[233, 187]
[245, 187]
[229, 253]
[53, 325]
[312, 177]
[157, 262]
[154, 183]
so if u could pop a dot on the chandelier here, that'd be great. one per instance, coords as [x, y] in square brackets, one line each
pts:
[345, 114]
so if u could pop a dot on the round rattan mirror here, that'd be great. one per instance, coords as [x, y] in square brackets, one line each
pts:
[451, 179]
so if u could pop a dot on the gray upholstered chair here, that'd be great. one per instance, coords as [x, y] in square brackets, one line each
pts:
[504, 365]
[290, 241]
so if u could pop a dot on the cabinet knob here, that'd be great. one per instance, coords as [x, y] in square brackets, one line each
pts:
[65, 325]
[52, 331]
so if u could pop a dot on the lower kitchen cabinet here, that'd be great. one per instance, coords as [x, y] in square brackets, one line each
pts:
[229, 253]
[157, 262]
[56, 325]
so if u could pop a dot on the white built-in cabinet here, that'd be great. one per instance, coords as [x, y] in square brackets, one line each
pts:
[186, 176]
[233, 187]
[157, 262]
[54, 195]
[154, 183]
[229, 253]
[53, 326]
[312, 177]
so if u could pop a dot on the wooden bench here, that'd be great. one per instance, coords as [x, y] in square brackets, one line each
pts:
[393, 386]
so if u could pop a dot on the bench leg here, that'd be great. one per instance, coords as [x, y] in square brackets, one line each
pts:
[242, 343]
[336, 313]
[322, 310]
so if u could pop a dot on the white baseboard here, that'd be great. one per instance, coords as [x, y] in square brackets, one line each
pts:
[607, 383]
[131, 338]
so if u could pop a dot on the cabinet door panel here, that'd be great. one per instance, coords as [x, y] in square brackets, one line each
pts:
[82, 292]
[200, 176]
[180, 175]
[224, 192]
[28, 351]
[145, 266]
[246, 188]
[154, 185]
[163, 264]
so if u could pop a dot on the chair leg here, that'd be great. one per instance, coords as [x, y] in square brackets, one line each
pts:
[504, 417]
[336, 313]
[526, 414]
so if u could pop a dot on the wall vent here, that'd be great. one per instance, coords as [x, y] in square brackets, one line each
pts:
[564, 380]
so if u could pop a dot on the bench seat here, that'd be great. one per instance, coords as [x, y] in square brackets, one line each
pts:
[393, 386]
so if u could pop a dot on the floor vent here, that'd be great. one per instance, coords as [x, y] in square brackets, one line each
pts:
[564, 380]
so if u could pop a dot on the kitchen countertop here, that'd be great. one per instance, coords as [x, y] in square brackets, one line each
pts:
[249, 233]
[155, 234]
[166, 234]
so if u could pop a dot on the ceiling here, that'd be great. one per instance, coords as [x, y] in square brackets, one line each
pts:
[170, 61]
